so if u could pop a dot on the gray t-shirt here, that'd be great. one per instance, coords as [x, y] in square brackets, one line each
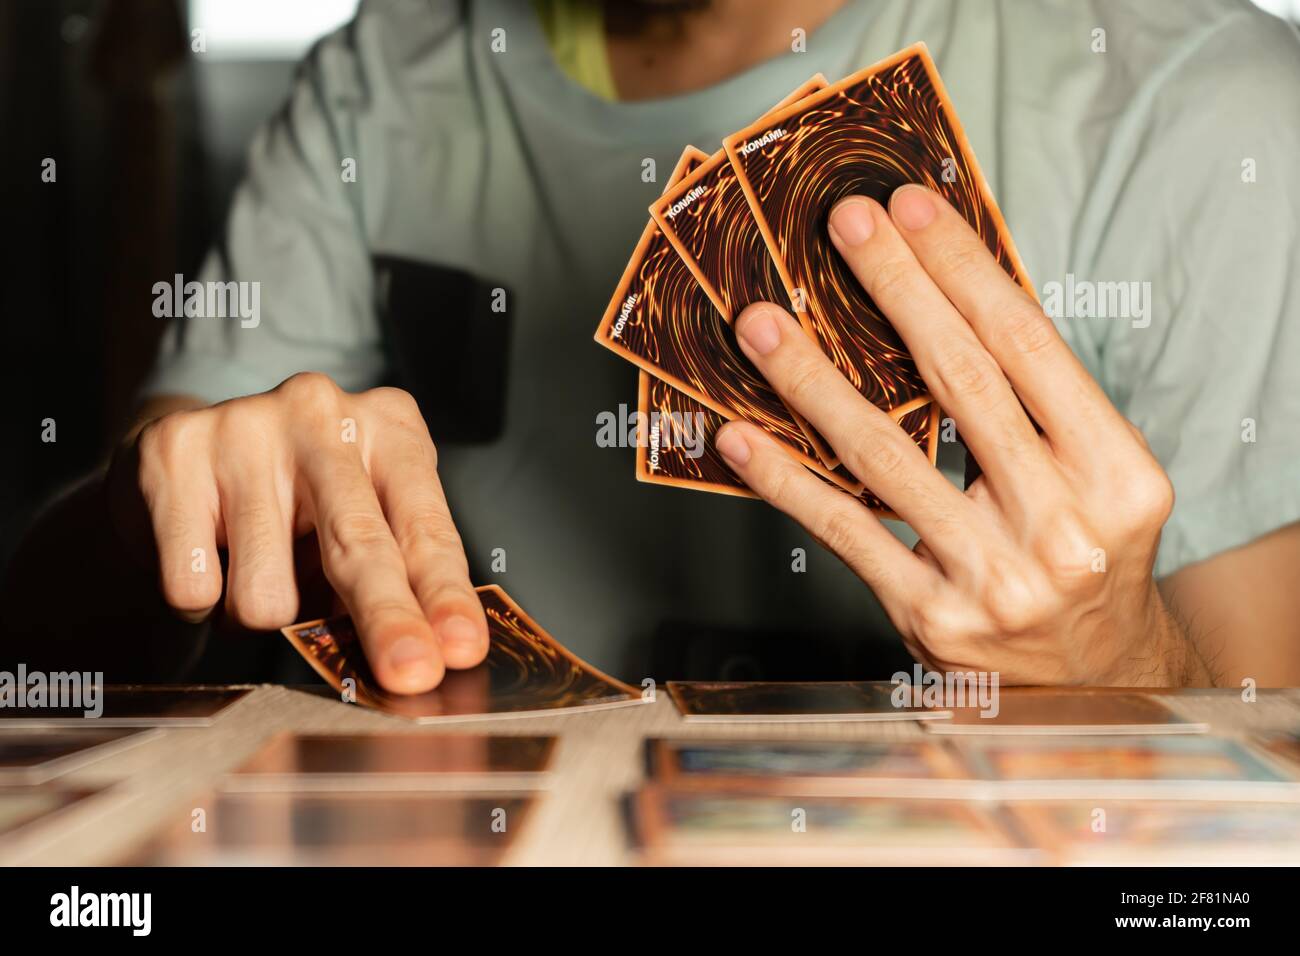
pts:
[1128, 142]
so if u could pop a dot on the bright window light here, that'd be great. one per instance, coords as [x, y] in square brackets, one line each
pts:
[284, 29]
[266, 29]
[1287, 9]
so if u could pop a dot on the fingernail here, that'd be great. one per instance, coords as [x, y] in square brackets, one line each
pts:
[912, 207]
[459, 630]
[732, 446]
[408, 654]
[759, 330]
[851, 222]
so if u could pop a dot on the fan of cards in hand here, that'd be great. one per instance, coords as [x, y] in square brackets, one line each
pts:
[748, 224]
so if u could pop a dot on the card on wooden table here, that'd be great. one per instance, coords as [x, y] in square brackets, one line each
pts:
[814, 767]
[686, 827]
[23, 806]
[136, 705]
[760, 701]
[30, 758]
[660, 319]
[1163, 833]
[1055, 711]
[341, 829]
[387, 761]
[1176, 766]
[887, 125]
[527, 672]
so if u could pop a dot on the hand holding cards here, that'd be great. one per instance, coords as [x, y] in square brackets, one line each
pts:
[527, 672]
[748, 224]
[901, 293]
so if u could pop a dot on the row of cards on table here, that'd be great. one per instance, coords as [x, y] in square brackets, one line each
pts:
[1135, 793]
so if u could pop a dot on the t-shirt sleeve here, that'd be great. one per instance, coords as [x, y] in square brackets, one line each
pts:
[294, 244]
[1207, 213]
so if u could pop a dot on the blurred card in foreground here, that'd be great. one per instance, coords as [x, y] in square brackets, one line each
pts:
[527, 672]
[1156, 833]
[27, 758]
[20, 806]
[395, 762]
[1284, 746]
[717, 701]
[685, 827]
[814, 767]
[1035, 710]
[136, 705]
[340, 829]
[1197, 767]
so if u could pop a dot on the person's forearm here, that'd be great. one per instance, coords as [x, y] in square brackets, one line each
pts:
[76, 599]
[1242, 610]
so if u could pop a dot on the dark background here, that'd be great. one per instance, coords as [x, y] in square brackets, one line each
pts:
[149, 140]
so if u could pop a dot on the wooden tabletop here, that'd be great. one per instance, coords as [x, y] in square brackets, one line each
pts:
[578, 820]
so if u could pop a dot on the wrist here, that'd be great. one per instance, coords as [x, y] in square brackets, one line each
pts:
[1160, 653]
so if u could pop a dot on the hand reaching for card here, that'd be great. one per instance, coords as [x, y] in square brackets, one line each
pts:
[253, 474]
[1042, 569]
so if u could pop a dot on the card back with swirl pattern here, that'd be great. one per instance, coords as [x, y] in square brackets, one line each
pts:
[660, 319]
[890, 124]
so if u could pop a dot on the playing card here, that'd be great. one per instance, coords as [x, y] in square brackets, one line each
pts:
[527, 672]
[706, 218]
[1056, 711]
[385, 761]
[22, 806]
[27, 758]
[675, 444]
[1176, 767]
[726, 702]
[703, 216]
[1164, 833]
[660, 319]
[675, 441]
[813, 767]
[1283, 746]
[341, 829]
[136, 705]
[880, 128]
[692, 827]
